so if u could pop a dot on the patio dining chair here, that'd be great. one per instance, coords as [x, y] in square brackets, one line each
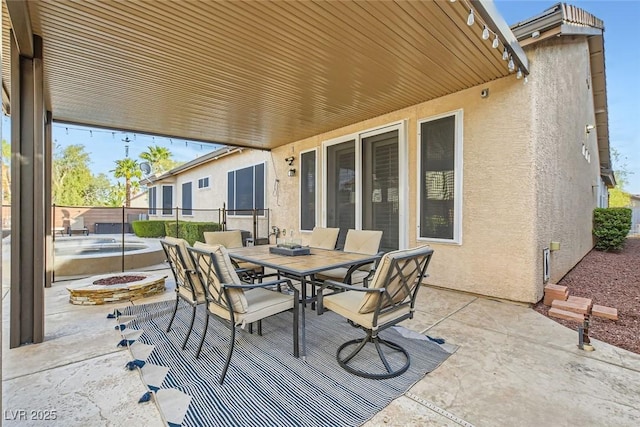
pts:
[324, 238]
[188, 285]
[361, 242]
[237, 303]
[388, 301]
[230, 240]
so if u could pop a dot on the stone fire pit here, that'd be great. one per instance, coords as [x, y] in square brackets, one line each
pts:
[114, 287]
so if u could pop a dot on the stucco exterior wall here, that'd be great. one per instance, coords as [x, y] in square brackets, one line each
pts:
[525, 180]
[566, 183]
[498, 211]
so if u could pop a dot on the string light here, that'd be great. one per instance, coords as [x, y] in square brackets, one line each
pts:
[495, 42]
[150, 138]
[471, 19]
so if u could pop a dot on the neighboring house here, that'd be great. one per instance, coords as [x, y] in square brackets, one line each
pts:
[635, 213]
[199, 189]
[490, 176]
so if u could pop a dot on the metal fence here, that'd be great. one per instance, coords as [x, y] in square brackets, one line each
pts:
[90, 240]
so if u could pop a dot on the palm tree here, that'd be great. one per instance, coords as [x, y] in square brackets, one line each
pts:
[127, 169]
[159, 158]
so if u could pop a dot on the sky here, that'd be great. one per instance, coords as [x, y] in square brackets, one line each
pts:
[622, 56]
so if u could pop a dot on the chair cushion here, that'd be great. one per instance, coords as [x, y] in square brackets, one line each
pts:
[262, 303]
[324, 238]
[339, 275]
[346, 304]
[379, 279]
[228, 275]
[228, 239]
[182, 245]
[363, 241]
[250, 266]
[186, 294]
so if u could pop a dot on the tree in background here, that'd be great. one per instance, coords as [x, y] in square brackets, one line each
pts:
[6, 173]
[71, 177]
[128, 169]
[618, 198]
[159, 159]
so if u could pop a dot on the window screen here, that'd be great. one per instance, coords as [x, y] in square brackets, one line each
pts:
[437, 178]
[187, 199]
[308, 190]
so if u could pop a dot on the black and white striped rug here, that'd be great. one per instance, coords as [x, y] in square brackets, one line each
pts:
[265, 384]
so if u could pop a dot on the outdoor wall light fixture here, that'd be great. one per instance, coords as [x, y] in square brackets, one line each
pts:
[291, 172]
[589, 128]
[289, 160]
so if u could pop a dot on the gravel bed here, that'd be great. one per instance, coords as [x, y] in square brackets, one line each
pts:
[611, 279]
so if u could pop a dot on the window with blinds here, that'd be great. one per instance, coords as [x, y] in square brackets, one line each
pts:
[380, 201]
[341, 188]
[246, 190]
[308, 190]
[187, 198]
[439, 201]
[151, 196]
[167, 200]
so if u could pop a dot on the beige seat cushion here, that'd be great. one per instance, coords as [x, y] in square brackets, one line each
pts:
[228, 239]
[339, 274]
[228, 275]
[348, 303]
[324, 238]
[379, 278]
[262, 303]
[183, 244]
[363, 241]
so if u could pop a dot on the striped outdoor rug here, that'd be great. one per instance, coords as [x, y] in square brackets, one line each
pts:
[266, 385]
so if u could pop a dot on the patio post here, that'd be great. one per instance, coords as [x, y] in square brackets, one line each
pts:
[28, 185]
[49, 216]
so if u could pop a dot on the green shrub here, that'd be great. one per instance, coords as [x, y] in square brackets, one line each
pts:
[611, 226]
[190, 231]
[149, 228]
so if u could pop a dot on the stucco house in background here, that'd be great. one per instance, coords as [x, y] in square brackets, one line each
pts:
[488, 176]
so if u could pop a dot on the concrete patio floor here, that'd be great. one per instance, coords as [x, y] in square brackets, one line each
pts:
[513, 367]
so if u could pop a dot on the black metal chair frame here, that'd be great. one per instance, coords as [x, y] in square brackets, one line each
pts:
[183, 278]
[223, 299]
[385, 304]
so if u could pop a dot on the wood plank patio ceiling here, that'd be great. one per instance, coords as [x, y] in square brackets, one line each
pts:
[257, 74]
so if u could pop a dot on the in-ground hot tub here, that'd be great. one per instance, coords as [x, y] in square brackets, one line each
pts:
[81, 255]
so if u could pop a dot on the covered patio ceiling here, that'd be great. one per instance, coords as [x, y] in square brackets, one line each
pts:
[253, 74]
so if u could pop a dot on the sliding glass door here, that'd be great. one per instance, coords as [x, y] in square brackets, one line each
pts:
[380, 195]
[363, 185]
[341, 187]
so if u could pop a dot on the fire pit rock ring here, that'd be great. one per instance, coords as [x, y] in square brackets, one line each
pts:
[114, 287]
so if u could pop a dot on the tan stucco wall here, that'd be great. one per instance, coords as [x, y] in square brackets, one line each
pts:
[495, 257]
[566, 184]
[525, 181]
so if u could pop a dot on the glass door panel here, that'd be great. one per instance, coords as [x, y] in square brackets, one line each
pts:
[341, 187]
[380, 187]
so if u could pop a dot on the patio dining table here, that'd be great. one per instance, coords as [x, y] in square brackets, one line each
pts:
[301, 267]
